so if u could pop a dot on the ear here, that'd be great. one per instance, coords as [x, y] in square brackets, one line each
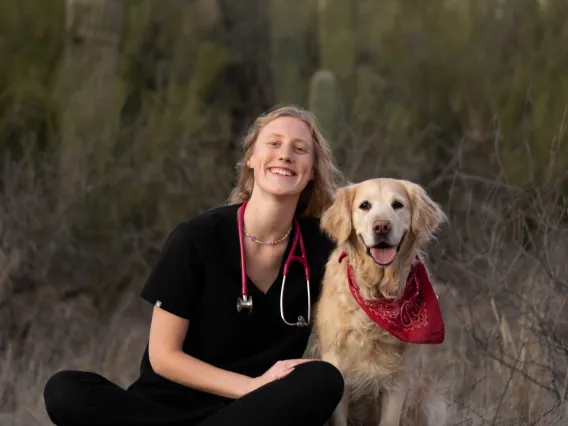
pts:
[336, 220]
[426, 214]
[251, 158]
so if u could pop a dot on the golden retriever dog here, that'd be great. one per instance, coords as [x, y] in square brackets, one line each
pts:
[370, 322]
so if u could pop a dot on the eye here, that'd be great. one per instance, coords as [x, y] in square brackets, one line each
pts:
[397, 205]
[365, 205]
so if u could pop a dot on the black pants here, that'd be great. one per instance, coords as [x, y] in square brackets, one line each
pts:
[306, 396]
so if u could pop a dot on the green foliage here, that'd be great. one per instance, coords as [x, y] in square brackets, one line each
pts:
[157, 118]
[30, 47]
[337, 38]
[167, 79]
[492, 76]
[289, 20]
[431, 79]
[325, 102]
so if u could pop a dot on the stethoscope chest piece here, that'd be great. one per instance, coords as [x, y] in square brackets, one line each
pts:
[244, 303]
[302, 322]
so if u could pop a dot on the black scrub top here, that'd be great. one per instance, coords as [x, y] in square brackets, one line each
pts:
[198, 277]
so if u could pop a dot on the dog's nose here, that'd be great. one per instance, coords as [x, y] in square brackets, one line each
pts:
[382, 227]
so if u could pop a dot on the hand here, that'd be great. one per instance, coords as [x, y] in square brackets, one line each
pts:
[276, 372]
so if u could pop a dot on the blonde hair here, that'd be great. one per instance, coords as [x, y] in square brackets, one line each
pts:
[318, 194]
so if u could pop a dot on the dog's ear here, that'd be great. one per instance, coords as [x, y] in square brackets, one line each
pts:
[336, 220]
[427, 215]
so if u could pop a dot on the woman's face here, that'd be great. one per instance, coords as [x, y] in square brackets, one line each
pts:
[283, 157]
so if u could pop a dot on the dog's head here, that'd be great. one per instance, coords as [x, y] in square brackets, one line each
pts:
[384, 215]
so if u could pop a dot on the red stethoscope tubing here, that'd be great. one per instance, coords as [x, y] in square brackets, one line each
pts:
[291, 258]
[240, 222]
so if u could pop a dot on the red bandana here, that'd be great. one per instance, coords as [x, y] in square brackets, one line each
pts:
[415, 318]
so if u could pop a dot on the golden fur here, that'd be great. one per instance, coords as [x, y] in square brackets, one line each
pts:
[382, 375]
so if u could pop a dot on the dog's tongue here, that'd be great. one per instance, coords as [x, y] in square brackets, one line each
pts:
[383, 256]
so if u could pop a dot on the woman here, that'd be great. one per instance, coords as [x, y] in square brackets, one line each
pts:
[208, 363]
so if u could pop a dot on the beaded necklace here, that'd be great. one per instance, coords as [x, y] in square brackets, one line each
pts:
[256, 240]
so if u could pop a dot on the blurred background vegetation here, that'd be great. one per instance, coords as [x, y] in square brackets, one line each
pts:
[119, 118]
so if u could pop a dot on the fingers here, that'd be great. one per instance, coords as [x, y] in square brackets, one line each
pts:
[281, 369]
[293, 362]
[285, 367]
[281, 374]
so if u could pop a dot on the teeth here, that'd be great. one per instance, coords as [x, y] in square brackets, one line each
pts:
[282, 172]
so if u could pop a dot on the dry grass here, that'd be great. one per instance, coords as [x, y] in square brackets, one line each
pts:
[502, 288]
[505, 298]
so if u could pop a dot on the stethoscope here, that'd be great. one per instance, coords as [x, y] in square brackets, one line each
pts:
[245, 301]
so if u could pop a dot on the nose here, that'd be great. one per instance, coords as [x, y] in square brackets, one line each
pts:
[285, 153]
[382, 227]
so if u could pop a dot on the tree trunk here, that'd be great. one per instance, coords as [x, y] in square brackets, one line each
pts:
[89, 85]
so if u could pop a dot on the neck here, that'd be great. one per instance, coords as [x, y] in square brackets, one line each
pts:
[269, 218]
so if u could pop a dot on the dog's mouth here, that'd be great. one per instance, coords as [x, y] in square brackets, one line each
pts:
[383, 254]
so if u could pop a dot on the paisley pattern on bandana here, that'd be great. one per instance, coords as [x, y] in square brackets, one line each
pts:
[415, 317]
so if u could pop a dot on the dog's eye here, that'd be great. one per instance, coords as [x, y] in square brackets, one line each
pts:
[397, 205]
[365, 205]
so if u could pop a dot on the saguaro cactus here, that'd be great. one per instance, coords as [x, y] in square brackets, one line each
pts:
[325, 102]
[288, 21]
[90, 80]
[338, 39]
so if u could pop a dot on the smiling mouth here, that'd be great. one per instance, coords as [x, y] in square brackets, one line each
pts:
[281, 172]
[383, 254]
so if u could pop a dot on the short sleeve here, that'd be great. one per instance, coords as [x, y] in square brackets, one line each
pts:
[172, 283]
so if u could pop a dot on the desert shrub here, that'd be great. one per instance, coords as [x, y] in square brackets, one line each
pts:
[115, 127]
